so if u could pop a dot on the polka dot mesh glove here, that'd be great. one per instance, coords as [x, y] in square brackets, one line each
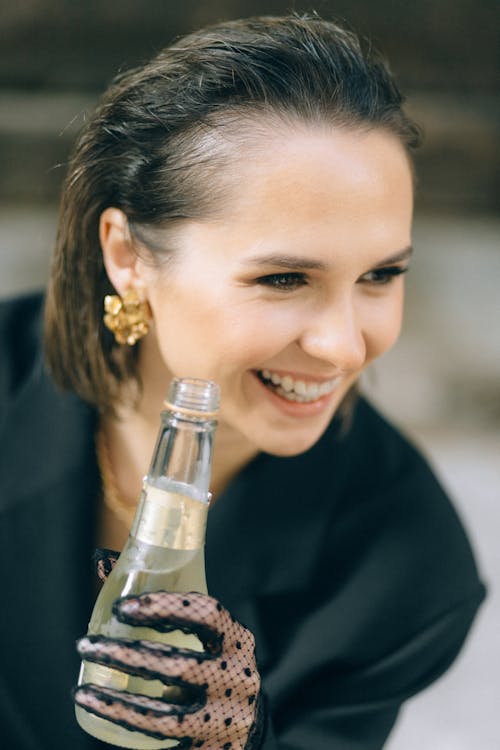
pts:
[224, 708]
[104, 562]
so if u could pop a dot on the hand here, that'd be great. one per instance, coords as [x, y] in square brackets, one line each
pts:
[104, 562]
[224, 709]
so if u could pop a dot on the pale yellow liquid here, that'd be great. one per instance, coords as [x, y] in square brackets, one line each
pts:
[141, 568]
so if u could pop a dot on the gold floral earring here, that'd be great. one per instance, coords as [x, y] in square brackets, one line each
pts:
[128, 317]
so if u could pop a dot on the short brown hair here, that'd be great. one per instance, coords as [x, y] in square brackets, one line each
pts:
[143, 151]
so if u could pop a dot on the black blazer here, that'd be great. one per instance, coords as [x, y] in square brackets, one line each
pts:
[348, 563]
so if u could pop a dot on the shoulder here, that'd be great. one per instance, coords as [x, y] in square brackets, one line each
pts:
[396, 532]
[42, 427]
[395, 573]
[376, 450]
[20, 342]
[378, 465]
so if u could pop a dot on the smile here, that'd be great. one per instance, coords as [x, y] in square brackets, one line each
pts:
[297, 390]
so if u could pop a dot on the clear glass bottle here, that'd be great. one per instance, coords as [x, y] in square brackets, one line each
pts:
[165, 547]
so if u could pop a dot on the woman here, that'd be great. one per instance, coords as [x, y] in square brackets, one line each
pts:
[246, 198]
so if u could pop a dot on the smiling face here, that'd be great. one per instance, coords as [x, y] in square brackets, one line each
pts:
[288, 295]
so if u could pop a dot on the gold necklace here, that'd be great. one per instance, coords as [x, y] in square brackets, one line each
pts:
[111, 496]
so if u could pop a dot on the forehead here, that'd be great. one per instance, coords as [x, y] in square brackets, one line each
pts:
[335, 194]
[327, 176]
[337, 197]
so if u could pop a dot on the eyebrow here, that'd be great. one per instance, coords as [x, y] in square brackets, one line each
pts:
[294, 262]
[404, 254]
[303, 263]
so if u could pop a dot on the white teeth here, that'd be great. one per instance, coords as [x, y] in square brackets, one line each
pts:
[289, 395]
[299, 390]
[313, 390]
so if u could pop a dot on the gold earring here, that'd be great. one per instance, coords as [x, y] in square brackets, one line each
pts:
[127, 317]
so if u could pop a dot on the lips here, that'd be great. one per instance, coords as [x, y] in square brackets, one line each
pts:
[297, 390]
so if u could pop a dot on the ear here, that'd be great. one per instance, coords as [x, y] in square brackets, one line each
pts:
[122, 265]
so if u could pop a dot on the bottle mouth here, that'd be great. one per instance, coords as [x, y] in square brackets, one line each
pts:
[193, 396]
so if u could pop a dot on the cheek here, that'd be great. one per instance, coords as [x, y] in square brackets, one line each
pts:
[214, 332]
[249, 335]
[383, 324]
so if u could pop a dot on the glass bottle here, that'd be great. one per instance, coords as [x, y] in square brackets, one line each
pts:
[164, 550]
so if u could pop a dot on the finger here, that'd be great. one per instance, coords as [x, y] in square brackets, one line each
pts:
[161, 720]
[191, 613]
[218, 723]
[150, 660]
[150, 716]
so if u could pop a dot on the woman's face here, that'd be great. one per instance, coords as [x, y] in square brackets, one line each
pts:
[287, 296]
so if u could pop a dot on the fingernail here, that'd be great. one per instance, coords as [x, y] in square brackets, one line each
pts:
[126, 607]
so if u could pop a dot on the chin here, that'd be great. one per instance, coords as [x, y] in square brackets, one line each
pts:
[287, 443]
[293, 445]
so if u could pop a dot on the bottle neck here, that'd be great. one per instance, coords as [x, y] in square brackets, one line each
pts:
[182, 458]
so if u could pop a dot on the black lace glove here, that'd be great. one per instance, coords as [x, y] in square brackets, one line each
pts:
[104, 561]
[225, 708]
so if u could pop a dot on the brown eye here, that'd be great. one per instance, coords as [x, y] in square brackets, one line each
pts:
[381, 276]
[285, 282]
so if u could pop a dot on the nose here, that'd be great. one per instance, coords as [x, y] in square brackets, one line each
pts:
[334, 334]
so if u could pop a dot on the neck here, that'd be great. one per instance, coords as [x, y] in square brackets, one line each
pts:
[232, 452]
[131, 436]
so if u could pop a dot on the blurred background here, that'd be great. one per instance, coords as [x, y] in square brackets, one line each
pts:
[441, 383]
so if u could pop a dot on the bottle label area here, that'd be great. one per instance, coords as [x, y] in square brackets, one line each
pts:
[170, 519]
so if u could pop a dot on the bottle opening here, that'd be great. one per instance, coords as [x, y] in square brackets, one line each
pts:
[193, 395]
